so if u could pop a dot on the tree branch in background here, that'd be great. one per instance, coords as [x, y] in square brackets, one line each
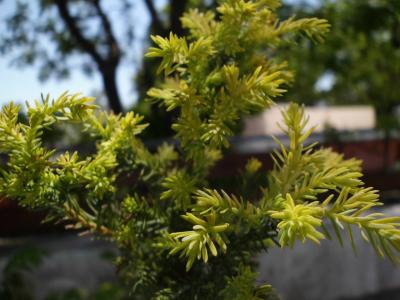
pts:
[71, 23]
[177, 8]
[156, 22]
[114, 52]
[107, 66]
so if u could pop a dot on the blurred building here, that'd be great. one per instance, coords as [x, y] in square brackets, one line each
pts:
[341, 118]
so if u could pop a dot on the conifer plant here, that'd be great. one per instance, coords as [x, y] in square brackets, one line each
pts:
[179, 235]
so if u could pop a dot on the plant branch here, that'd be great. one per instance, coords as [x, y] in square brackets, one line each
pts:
[76, 32]
[156, 22]
[114, 53]
[84, 222]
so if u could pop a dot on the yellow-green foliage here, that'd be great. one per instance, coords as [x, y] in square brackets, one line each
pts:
[301, 174]
[178, 233]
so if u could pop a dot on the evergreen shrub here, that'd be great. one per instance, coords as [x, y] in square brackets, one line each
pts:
[179, 235]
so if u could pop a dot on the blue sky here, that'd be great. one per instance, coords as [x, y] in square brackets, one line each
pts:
[22, 84]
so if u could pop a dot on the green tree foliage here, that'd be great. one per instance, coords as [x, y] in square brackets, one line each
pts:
[178, 233]
[361, 56]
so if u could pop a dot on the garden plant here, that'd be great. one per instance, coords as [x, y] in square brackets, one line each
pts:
[180, 235]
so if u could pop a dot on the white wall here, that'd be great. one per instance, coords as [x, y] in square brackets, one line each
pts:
[355, 117]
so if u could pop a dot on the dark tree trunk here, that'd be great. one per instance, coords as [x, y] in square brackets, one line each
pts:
[106, 65]
[177, 8]
[109, 76]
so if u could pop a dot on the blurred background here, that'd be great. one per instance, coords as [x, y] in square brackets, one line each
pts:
[350, 85]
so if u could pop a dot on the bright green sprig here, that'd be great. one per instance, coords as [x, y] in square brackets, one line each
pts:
[252, 166]
[212, 207]
[351, 208]
[304, 172]
[298, 222]
[213, 93]
[242, 286]
[179, 188]
[199, 23]
[173, 52]
[313, 28]
[38, 177]
[305, 175]
[212, 201]
[197, 243]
